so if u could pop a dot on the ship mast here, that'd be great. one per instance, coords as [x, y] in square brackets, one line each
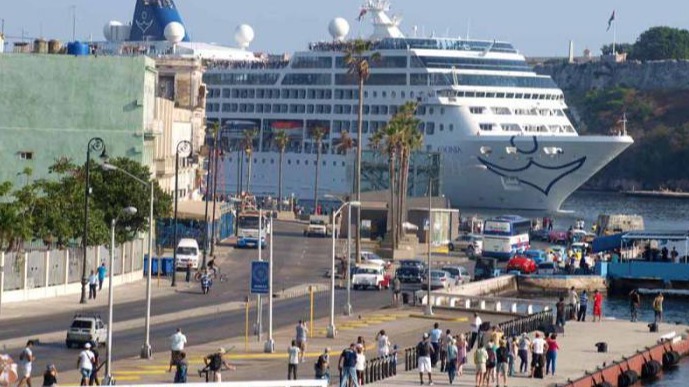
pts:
[384, 26]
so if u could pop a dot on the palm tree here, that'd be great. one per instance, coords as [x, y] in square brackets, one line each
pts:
[281, 140]
[248, 143]
[358, 65]
[346, 142]
[317, 134]
[410, 140]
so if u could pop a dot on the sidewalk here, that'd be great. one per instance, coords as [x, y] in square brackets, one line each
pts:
[253, 364]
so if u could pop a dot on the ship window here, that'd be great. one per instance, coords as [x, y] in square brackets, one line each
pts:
[339, 94]
[343, 163]
[375, 94]
[452, 127]
[384, 109]
[267, 108]
[367, 109]
[347, 109]
[442, 127]
[490, 95]
[226, 93]
[260, 93]
[324, 62]
[403, 94]
[393, 109]
[25, 155]
[430, 128]
[235, 93]
[510, 95]
[501, 111]
[259, 108]
[306, 162]
[510, 128]
[486, 127]
[476, 110]
[252, 93]
[297, 162]
[394, 94]
[374, 109]
[500, 95]
[309, 109]
[470, 94]
[411, 94]
[289, 162]
[284, 94]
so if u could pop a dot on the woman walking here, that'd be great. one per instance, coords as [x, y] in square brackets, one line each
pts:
[360, 364]
[512, 355]
[451, 356]
[551, 354]
[523, 352]
[462, 349]
[383, 343]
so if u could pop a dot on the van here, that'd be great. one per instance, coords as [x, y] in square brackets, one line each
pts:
[188, 253]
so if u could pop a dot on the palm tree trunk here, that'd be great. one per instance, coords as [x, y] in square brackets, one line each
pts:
[393, 215]
[248, 179]
[318, 167]
[282, 153]
[357, 178]
[400, 195]
[404, 183]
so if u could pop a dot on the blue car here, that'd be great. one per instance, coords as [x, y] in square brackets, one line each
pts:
[539, 256]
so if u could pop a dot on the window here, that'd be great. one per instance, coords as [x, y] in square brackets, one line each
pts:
[374, 79]
[430, 128]
[501, 111]
[306, 79]
[486, 127]
[25, 155]
[301, 62]
[476, 110]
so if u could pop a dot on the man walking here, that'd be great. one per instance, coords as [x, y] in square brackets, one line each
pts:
[658, 307]
[102, 272]
[560, 312]
[634, 304]
[177, 342]
[347, 367]
[85, 364]
[26, 359]
[583, 304]
[475, 330]
[424, 351]
[292, 360]
[573, 299]
[93, 285]
[302, 332]
[434, 336]
[396, 290]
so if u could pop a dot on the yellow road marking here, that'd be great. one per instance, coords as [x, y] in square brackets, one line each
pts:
[140, 372]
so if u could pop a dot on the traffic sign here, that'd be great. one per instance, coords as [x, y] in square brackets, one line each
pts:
[260, 277]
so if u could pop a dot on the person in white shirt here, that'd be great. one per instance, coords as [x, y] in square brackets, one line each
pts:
[360, 364]
[26, 359]
[177, 342]
[93, 285]
[383, 343]
[573, 300]
[293, 353]
[85, 364]
[475, 331]
[538, 348]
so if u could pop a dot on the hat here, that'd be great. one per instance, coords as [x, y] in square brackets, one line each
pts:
[87, 345]
[50, 367]
[221, 350]
[425, 335]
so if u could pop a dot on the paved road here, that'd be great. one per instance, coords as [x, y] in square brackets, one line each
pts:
[297, 260]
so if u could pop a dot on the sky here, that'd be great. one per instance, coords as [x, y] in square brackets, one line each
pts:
[535, 27]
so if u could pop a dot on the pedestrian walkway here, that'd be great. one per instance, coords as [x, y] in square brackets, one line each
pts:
[578, 353]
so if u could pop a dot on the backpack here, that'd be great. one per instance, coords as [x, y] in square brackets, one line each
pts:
[491, 358]
[216, 362]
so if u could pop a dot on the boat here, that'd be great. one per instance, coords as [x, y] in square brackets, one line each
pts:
[502, 130]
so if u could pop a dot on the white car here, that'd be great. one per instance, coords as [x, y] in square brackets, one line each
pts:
[86, 328]
[316, 227]
[373, 258]
[187, 253]
[370, 276]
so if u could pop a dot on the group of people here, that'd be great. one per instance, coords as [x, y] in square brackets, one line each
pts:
[635, 306]
[88, 364]
[96, 280]
[578, 306]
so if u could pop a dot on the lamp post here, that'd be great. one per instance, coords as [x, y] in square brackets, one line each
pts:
[348, 307]
[109, 380]
[95, 144]
[429, 309]
[182, 146]
[331, 331]
[269, 346]
[146, 347]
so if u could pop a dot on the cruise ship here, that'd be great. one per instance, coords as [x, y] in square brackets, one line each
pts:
[502, 130]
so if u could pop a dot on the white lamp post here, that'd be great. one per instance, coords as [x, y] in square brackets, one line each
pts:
[348, 307]
[331, 331]
[109, 380]
[269, 346]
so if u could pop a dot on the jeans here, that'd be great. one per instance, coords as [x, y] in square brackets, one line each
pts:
[560, 320]
[510, 365]
[523, 360]
[550, 360]
[92, 291]
[435, 354]
[634, 310]
[581, 316]
[349, 373]
[292, 372]
[451, 368]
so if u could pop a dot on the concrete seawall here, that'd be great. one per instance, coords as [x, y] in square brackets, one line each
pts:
[556, 285]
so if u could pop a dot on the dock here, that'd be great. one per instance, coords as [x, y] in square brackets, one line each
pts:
[657, 194]
[578, 354]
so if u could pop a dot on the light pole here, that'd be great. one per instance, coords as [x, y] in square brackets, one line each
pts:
[331, 331]
[109, 380]
[146, 347]
[95, 144]
[182, 146]
[348, 307]
[269, 346]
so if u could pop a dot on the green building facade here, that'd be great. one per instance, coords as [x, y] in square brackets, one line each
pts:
[52, 105]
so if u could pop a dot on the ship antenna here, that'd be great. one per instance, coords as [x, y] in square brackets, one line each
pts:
[74, 22]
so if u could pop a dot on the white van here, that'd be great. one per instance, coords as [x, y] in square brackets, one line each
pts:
[187, 252]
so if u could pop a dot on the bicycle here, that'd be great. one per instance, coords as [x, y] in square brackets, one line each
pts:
[213, 273]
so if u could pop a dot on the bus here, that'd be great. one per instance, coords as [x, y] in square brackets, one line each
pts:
[505, 236]
[247, 228]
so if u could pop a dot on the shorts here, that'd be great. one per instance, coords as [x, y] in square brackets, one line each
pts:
[502, 368]
[424, 363]
[24, 370]
[481, 368]
[174, 357]
[85, 373]
[301, 344]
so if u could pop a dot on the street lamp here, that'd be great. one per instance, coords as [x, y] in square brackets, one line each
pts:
[348, 306]
[95, 144]
[111, 268]
[185, 147]
[331, 328]
[146, 348]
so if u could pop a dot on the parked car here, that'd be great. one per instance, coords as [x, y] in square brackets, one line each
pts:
[421, 265]
[371, 257]
[471, 244]
[409, 274]
[439, 280]
[537, 255]
[522, 264]
[547, 268]
[541, 234]
[558, 237]
[370, 276]
[459, 274]
[486, 268]
[86, 328]
[187, 253]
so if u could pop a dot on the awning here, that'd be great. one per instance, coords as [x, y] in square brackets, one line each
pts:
[607, 243]
[669, 235]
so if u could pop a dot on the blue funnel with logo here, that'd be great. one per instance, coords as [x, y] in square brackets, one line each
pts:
[150, 19]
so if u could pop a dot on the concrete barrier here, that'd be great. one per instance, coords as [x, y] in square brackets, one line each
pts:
[505, 283]
[556, 285]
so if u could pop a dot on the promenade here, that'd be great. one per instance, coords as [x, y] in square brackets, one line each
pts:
[578, 353]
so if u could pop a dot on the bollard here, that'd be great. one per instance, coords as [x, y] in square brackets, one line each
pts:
[529, 309]
[482, 305]
[467, 304]
[453, 302]
[546, 308]
[498, 306]
[513, 308]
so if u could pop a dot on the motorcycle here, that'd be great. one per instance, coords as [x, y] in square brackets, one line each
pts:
[206, 283]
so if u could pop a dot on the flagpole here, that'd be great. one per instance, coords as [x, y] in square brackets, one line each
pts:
[614, 38]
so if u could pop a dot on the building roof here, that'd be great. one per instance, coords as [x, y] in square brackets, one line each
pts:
[196, 209]
[673, 235]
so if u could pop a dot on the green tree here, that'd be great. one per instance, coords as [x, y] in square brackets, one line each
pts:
[281, 140]
[658, 43]
[248, 144]
[358, 65]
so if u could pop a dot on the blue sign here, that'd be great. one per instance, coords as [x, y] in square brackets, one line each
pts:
[260, 276]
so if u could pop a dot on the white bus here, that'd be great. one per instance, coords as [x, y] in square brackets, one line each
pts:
[505, 236]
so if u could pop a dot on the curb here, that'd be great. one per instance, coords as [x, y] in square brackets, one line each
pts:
[439, 318]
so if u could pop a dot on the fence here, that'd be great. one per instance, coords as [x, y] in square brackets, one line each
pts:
[277, 383]
[380, 368]
[42, 274]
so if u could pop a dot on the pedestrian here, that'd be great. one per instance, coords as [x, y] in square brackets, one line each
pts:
[444, 343]
[361, 342]
[480, 359]
[491, 363]
[301, 333]
[424, 351]
[634, 304]
[85, 364]
[496, 335]
[452, 359]
[347, 366]
[187, 276]
[573, 299]
[475, 330]
[214, 363]
[597, 305]
[50, 376]
[512, 356]
[177, 342]
[181, 368]
[322, 366]
[538, 348]
[560, 312]
[93, 285]
[434, 336]
[26, 359]
[551, 355]
[383, 343]
[583, 303]
[360, 364]
[102, 271]
[523, 352]
[502, 356]
[396, 290]
[293, 360]
[93, 378]
[462, 349]
[658, 307]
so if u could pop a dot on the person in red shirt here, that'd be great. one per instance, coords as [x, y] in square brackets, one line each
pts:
[597, 305]
[551, 355]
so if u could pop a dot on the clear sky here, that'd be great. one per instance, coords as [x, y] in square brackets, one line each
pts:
[536, 27]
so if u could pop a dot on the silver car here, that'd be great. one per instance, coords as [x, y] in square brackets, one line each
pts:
[439, 279]
[459, 274]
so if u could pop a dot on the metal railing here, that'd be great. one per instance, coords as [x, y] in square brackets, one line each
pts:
[380, 368]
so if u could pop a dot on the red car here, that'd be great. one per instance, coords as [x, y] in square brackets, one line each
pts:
[524, 265]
